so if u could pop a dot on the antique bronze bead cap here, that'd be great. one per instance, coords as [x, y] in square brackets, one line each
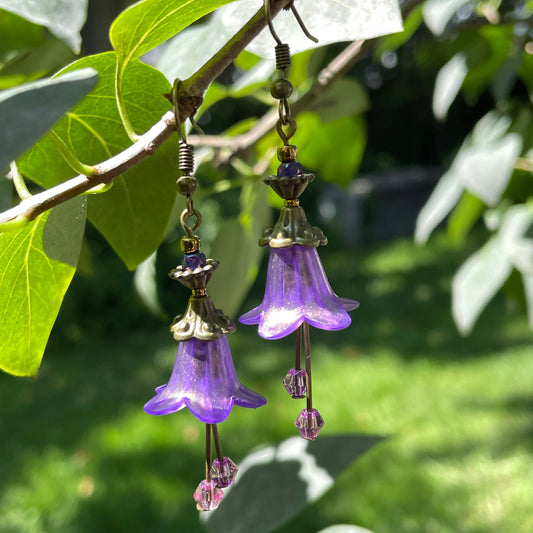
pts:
[292, 226]
[201, 320]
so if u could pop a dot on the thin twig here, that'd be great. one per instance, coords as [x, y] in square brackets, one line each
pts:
[326, 78]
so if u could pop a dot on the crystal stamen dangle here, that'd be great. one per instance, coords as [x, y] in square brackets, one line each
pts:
[203, 378]
[297, 292]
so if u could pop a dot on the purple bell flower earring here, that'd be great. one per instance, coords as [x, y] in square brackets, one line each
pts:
[297, 293]
[203, 378]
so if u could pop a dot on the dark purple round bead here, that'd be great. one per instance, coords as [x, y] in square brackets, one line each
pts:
[194, 260]
[290, 170]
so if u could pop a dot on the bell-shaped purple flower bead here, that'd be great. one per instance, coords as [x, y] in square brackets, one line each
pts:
[298, 290]
[205, 381]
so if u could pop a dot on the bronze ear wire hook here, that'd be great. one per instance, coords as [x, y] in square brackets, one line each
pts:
[186, 165]
[292, 7]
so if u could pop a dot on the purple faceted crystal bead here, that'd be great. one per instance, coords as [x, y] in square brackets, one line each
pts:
[205, 381]
[295, 383]
[194, 260]
[297, 290]
[309, 423]
[207, 496]
[290, 169]
[223, 472]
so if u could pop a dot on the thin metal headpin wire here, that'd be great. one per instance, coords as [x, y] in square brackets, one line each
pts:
[292, 7]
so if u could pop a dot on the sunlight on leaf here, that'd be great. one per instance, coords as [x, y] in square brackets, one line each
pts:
[33, 281]
[145, 25]
[437, 13]
[447, 85]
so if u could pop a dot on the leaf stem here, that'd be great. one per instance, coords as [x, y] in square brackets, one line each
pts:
[70, 157]
[121, 106]
[18, 181]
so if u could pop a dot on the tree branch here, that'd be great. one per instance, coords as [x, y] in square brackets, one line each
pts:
[326, 78]
[192, 89]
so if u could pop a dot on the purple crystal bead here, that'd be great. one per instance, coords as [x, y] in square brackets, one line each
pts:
[295, 383]
[309, 423]
[207, 496]
[290, 169]
[223, 472]
[194, 260]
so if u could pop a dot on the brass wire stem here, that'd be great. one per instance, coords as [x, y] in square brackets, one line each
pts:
[208, 452]
[218, 447]
[297, 360]
[307, 353]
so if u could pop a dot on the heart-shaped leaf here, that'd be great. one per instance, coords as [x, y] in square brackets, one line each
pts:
[133, 214]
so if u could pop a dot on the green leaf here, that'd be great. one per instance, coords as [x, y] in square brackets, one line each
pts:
[483, 165]
[477, 281]
[37, 265]
[484, 273]
[346, 97]
[148, 23]
[441, 201]
[6, 194]
[331, 22]
[391, 43]
[344, 21]
[447, 85]
[487, 51]
[133, 214]
[33, 64]
[527, 280]
[31, 109]
[344, 137]
[287, 476]
[145, 282]
[17, 34]
[464, 216]
[437, 13]
[486, 161]
[345, 528]
[237, 250]
[145, 25]
[64, 18]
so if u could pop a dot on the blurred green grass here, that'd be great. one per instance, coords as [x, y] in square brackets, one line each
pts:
[80, 455]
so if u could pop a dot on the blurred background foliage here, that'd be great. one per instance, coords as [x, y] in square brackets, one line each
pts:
[430, 131]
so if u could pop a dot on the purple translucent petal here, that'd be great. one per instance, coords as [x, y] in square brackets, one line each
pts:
[298, 290]
[205, 381]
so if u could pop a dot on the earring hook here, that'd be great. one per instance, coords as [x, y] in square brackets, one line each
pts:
[292, 7]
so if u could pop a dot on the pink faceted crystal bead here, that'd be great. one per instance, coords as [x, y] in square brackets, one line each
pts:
[309, 423]
[295, 383]
[207, 495]
[223, 472]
